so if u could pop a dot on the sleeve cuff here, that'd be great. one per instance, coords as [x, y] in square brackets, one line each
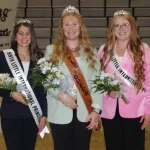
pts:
[96, 106]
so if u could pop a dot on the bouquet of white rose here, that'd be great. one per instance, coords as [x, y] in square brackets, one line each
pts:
[46, 73]
[9, 83]
[6, 82]
[107, 83]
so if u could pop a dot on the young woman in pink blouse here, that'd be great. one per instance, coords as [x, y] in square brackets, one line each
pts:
[125, 56]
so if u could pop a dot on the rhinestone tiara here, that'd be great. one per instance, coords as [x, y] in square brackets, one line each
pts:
[24, 21]
[70, 9]
[121, 12]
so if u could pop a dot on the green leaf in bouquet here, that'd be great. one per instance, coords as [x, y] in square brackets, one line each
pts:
[26, 100]
[54, 86]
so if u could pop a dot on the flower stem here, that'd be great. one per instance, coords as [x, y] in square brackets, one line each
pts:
[26, 101]
[124, 99]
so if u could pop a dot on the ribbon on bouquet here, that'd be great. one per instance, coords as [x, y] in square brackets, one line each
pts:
[28, 92]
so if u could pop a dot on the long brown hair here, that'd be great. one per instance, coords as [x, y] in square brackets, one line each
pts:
[60, 44]
[35, 52]
[135, 45]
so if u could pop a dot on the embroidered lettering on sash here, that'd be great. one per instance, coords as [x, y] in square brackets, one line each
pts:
[21, 80]
[122, 73]
[79, 82]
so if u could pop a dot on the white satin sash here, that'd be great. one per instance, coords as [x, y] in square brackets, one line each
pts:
[18, 74]
[123, 74]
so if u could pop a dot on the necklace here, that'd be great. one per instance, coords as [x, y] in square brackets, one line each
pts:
[24, 57]
[120, 51]
[75, 51]
[74, 48]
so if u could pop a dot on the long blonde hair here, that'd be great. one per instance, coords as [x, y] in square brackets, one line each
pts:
[135, 45]
[60, 44]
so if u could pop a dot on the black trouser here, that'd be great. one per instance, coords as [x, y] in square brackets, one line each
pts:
[19, 134]
[72, 136]
[123, 133]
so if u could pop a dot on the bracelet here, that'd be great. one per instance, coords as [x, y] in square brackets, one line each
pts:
[96, 110]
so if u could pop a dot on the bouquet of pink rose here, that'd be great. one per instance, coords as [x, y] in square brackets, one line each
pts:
[107, 83]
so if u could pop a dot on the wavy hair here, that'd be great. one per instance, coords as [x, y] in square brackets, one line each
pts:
[136, 49]
[60, 42]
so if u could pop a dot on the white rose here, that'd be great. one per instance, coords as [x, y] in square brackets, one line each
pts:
[41, 60]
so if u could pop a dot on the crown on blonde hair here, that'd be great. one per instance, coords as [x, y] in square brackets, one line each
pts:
[24, 21]
[121, 12]
[70, 9]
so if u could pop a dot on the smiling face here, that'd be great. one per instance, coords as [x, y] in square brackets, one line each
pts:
[122, 28]
[23, 36]
[71, 27]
